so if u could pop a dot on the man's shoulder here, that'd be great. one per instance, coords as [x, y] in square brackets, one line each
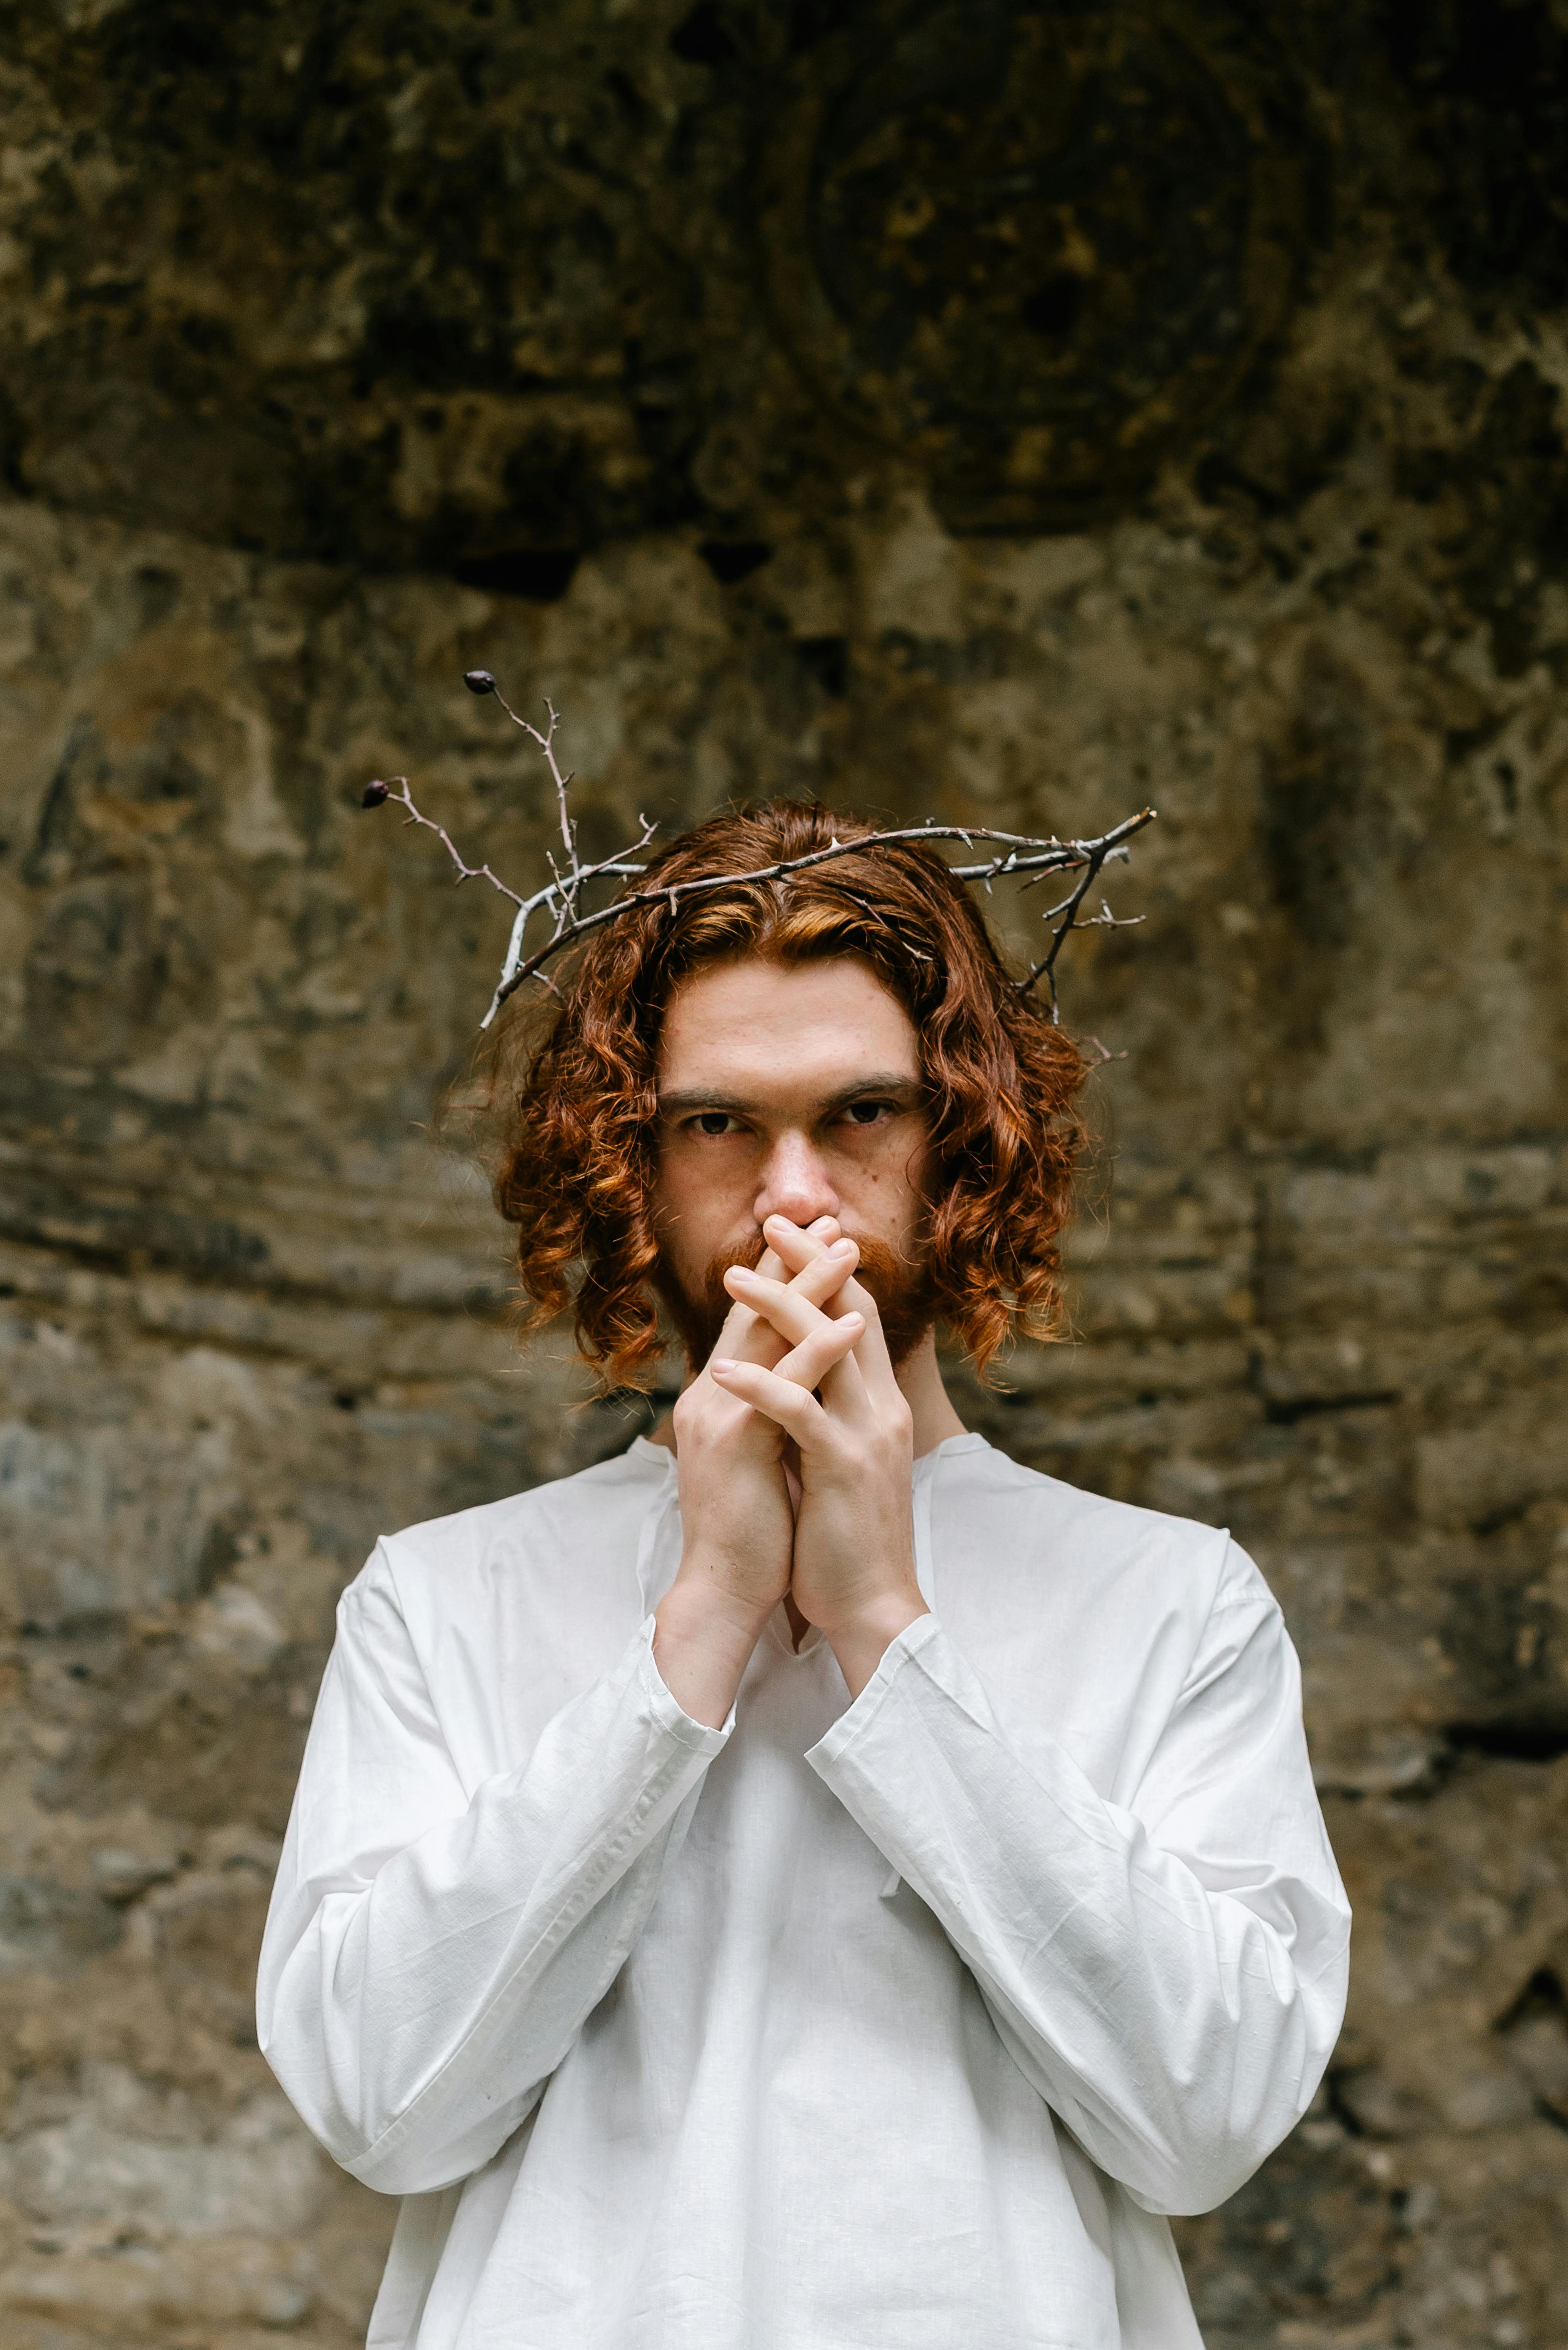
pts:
[1031, 1515]
[569, 1522]
[980, 1474]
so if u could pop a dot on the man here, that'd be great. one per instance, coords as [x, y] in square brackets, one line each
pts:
[808, 1883]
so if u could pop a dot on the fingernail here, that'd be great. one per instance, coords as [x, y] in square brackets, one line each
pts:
[720, 1364]
[841, 1248]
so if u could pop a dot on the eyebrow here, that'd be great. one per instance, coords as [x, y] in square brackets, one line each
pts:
[885, 1085]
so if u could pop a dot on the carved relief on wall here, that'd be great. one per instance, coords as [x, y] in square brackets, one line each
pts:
[1034, 249]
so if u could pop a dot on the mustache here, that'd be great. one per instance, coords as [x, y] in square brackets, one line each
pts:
[898, 1283]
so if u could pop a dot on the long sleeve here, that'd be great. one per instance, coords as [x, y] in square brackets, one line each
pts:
[1169, 1977]
[431, 1951]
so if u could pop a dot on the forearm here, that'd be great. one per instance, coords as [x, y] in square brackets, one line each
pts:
[861, 1641]
[411, 2017]
[703, 1636]
[1175, 2031]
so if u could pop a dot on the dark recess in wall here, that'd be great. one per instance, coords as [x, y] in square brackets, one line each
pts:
[826, 658]
[731, 560]
[1541, 1739]
[1490, 83]
[701, 39]
[542, 574]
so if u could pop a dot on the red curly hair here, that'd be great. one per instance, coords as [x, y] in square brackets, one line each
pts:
[575, 1165]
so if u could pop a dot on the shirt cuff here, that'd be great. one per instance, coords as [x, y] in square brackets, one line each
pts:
[858, 1717]
[667, 1711]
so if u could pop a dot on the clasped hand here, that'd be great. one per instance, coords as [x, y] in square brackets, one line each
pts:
[795, 1448]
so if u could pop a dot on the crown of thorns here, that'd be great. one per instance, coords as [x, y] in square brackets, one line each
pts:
[560, 901]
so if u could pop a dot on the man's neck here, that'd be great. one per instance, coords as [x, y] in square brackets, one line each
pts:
[928, 1400]
[917, 1375]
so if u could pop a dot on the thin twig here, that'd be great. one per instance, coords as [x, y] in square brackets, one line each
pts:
[1098, 853]
[397, 788]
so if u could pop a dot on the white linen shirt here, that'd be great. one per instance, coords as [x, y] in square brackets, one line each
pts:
[885, 2025]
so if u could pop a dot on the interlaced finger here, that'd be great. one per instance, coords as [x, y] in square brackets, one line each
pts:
[822, 1276]
[799, 1248]
[823, 1353]
[871, 1353]
[809, 1363]
[789, 1305]
[748, 1333]
[795, 1247]
[744, 1331]
[794, 1408]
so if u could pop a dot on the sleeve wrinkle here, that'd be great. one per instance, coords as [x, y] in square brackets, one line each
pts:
[1177, 2030]
[412, 2014]
[1228, 1596]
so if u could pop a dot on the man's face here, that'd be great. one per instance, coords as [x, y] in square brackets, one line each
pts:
[789, 1089]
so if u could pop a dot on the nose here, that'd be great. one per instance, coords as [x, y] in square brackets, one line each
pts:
[794, 1182]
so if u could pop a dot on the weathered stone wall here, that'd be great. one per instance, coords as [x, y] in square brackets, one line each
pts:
[1010, 414]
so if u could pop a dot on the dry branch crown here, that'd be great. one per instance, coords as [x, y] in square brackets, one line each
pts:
[560, 905]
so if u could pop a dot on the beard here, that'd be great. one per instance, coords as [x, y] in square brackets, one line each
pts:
[900, 1285]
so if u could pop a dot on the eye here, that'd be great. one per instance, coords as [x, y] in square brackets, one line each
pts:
[712, 1121]
[869, 1113]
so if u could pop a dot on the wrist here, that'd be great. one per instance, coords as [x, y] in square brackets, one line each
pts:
[861, 1640]
[699, 1606]
[703, 1637]
[704, 1602]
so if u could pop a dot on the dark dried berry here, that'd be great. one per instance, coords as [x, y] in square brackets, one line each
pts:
[479, 681]
[374, 795]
